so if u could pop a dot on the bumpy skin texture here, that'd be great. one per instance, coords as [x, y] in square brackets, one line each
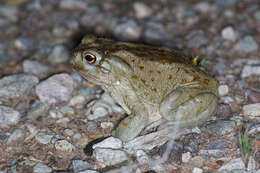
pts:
[151, 84]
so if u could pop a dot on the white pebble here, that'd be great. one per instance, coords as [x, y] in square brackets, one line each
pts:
[223, 90]
[186, 157]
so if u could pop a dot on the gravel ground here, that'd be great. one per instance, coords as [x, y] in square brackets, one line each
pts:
[49, 114]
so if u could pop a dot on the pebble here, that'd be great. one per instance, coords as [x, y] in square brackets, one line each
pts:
[236, 163]
[111, 142]
[109, 157]
[106, 125]
[251, 165]
[203, 7]
[77, 100]
[73, 5]
[38, 109]
[197, 170]
[59, 54]
[68, 132]
[10, 12]
[142, 157]
[96, 113]
[224, 111]
[257, 15]
[16, 135]
[35, 68]
[63, 120]
[247, 44]
[8, 116]
[64, 145]
[250, 70]
[67, 110]
[227, 99]
[228, 33]
[88, 171]
[253, 96]
[127, 30]
[219, 127]
[196, 38]
[16, 86]
[218, 144]
[41, 168]
[186, 157]
[223, 90]
[142, 10]
[155, 33]
[252, 109]
[44, 137]
[80, 165]
[91, 126]
[217, 153]
[56, 89]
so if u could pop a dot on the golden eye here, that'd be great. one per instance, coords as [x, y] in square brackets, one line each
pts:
[90, 58]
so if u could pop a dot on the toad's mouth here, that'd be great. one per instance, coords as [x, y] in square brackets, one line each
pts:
[91, 78]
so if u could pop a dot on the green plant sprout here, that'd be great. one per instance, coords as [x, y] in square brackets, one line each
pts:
[245, 144]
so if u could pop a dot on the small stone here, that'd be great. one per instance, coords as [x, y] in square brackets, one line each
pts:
[257, 15]
[16, 135]
[250, 70]
[196, 39]
[252, 110]
[67, 110]
[128, 31]
[41, 168]
[80, 165]
[68, 132]
[88, 171]
[109, 157]
[142, 157]
[106, 125]
[77, 100]
[186, 157]
[251, 165]
[35, 68]
[247, 44]
[197, 170]
[227, 99]
[91, 126]
[219, 127]
[155, 33]
[16, 86]
[44, 137]
[223, 90]
[38, 109]
[59, 54]
[110, 142]
[64, 145]
[73, 4]
[224, 111]
[253, 96]
[8, 116]
[203, 7]
[56, 89]
[142, 10]
[63, 120]
[98, 112]
[10, 12]
[228, 33]
[217, 153]
[236, 163]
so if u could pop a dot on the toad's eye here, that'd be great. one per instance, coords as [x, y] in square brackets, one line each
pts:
[90, 58]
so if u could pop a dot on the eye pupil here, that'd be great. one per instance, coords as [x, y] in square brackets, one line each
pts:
[90, 58]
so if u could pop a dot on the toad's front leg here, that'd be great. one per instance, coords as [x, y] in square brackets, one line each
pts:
[132, 125]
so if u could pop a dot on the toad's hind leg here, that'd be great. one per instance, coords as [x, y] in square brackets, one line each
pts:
[187, 107]
[132, 125]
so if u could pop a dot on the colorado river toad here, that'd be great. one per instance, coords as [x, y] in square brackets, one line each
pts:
[151, 84]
